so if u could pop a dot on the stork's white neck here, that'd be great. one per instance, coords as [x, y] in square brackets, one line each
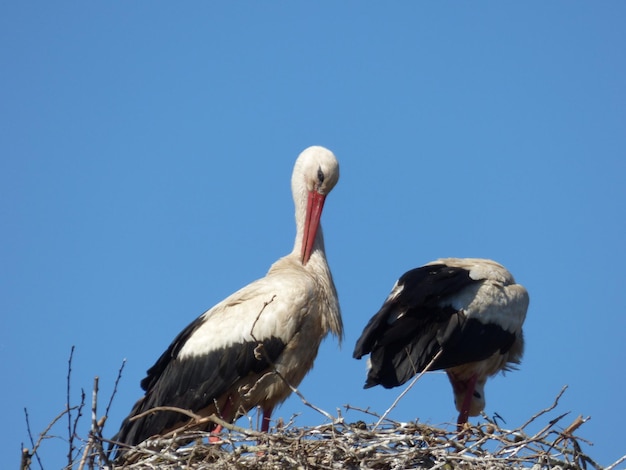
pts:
[318, 253]
[315, 173]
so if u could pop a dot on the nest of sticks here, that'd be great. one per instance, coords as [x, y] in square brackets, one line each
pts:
[375, 442]
[380, 444]
[384, 444]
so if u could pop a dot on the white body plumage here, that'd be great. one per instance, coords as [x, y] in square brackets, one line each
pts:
[225, 361]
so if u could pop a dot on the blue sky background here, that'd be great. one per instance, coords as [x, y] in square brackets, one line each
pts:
[145, 156]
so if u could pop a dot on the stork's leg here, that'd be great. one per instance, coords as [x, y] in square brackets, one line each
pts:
[265, 425]
[467, 400]
[214, 437]
[265, 422]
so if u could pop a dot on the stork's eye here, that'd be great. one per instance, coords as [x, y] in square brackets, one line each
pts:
[320, 175]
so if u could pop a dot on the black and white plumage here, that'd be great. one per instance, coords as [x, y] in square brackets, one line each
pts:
[224, 362]
[469, 309]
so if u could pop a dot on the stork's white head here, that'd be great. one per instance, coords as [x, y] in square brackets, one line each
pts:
[315, 174]
[316, 169]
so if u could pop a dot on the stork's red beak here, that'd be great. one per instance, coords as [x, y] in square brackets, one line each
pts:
[314, 207]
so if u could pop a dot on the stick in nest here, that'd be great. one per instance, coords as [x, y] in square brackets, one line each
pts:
[406, 390]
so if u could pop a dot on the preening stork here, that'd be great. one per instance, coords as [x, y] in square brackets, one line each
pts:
[469, 311]
[225, 362]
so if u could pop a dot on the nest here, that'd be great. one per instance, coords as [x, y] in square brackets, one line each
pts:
[354, 445]
[375, 442]
[392, 445]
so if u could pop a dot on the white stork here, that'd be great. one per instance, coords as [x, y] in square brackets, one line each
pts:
[225, 361]
[469, 311]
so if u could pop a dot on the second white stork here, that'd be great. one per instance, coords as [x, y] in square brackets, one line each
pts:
[246, 350]
[464, 315]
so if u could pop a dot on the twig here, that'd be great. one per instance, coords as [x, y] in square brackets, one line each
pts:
[93, 433]
[349, 407]
[545, 430]
[117, 381]
[198, 419]
[304, 400]
[44, 433]
[265, 304]
[32, 441]
[79, 414]
[616, 463]
[70, 440]
[545, 410]
[567, 432]
[410, 386]
[188, 413]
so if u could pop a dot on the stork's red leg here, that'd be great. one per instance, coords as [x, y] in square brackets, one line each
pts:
[214, 437]
[467, 400]
[265, 425]
[267, 415]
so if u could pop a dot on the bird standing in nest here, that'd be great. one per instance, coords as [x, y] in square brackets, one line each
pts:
[246, 350]
[464, 315]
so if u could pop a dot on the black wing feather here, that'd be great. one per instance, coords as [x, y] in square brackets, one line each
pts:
[154, 372]
[409, 330]
[422, 290]
[194, 382]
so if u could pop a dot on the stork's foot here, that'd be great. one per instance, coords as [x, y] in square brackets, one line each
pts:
[262, 443]
[214, 437]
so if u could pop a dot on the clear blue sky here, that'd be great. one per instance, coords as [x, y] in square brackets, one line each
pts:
[145, 156]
